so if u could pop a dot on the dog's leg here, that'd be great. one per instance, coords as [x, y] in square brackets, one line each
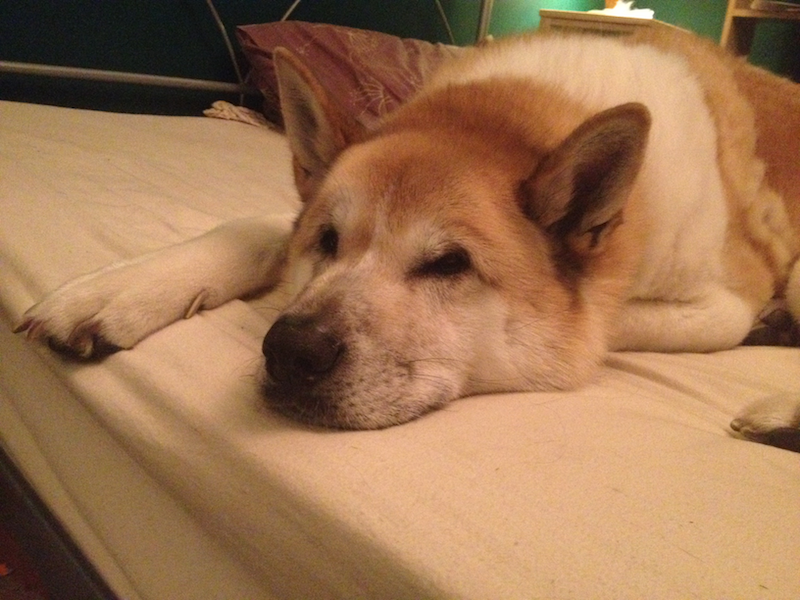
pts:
[119, 305]
[716, 320]
[774, 421]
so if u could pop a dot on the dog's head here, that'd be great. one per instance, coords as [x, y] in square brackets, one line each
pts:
[451, 251]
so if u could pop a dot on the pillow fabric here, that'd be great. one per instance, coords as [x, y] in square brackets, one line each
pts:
[367, 73]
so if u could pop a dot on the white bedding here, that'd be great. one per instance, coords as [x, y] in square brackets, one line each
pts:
[166, 468]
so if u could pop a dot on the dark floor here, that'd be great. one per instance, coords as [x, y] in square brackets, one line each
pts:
[38, 561]
[19, 577]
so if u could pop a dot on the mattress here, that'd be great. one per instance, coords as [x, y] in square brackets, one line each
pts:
[168, 470]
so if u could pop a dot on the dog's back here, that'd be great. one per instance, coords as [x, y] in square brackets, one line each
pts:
[758, 122]
[711, 212]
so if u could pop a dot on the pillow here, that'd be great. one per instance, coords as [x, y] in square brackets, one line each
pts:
[367, 73]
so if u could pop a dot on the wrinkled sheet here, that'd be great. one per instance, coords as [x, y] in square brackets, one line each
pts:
[630, 487]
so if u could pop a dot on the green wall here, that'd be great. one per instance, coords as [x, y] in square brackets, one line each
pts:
[511, 16]
[704, 16]
[776, 45]
[508, 16]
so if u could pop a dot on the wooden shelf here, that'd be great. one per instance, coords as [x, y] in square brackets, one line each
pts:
[789, 15]
[740, 24]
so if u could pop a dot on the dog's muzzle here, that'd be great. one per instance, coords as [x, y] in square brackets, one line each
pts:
[300, 351]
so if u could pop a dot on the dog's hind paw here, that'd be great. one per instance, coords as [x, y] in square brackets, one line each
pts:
[774, 421]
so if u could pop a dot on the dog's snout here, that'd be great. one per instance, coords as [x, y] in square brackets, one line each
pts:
[300, 350]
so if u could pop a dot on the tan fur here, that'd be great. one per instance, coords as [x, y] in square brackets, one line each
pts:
[507, 145]
[517, 141]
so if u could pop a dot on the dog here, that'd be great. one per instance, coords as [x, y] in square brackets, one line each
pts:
[541, 201]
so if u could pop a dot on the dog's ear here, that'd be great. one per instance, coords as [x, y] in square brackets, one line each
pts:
[578, 191]
[317, 129]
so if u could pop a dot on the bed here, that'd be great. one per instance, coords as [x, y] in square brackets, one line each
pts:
[175, 480]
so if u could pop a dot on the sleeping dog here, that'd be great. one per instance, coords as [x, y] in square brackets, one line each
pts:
[542, 201]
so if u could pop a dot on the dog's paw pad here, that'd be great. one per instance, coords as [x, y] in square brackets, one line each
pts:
[86, 341]
[774, 421]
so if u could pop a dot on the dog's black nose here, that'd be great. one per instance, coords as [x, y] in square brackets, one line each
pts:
[300, 350]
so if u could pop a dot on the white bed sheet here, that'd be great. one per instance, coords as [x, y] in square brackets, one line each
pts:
[628, 488]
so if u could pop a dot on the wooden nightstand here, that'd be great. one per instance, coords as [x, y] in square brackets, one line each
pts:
[584, 22]
[740, 24]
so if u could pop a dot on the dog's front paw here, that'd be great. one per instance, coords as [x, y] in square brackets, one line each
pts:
[106, 311]
[120, 305]
[774, 421]
[80, 319]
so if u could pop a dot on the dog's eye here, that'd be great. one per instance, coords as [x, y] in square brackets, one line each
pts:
[451, 263]
[328, 241]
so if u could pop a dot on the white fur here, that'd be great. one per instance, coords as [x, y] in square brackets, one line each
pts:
[125, 302]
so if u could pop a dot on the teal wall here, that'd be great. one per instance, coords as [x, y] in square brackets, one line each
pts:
[179, 37]
[164, 37]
